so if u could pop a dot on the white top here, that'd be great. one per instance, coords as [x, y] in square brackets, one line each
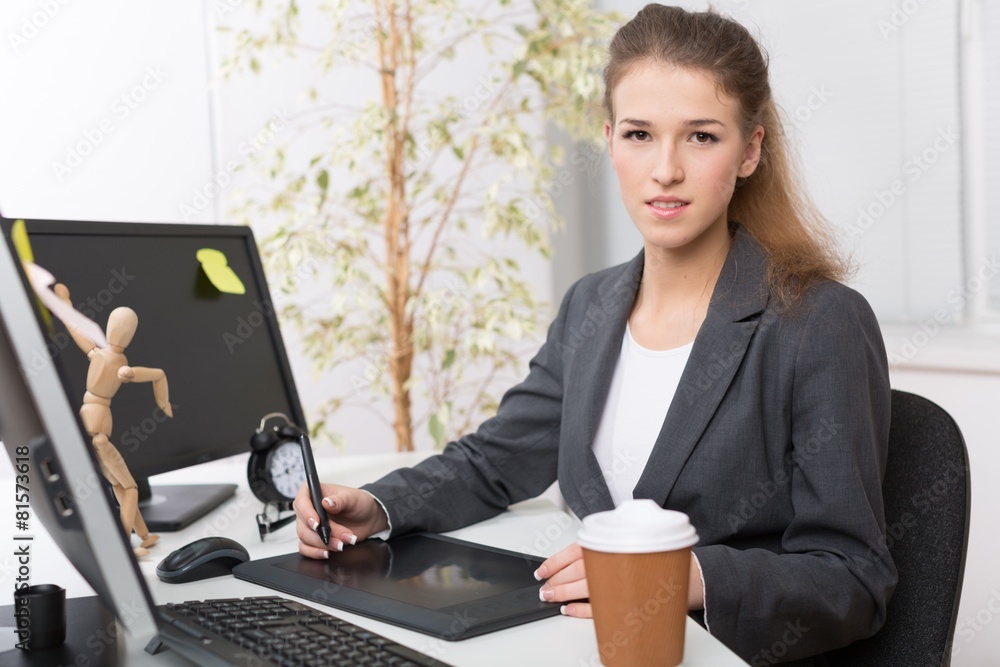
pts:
[642, 387]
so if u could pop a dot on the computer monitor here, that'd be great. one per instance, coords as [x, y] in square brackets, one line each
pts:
[53, 464]
[58, 473]
[217, 341]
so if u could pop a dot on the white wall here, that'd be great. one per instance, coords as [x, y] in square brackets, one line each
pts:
[104, 113]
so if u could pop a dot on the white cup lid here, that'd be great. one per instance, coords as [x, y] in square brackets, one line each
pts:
[635, 527]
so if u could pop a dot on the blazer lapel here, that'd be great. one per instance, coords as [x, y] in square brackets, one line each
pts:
[597, 342]
[740, 295]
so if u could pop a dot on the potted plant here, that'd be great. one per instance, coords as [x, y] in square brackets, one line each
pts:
[389, 210]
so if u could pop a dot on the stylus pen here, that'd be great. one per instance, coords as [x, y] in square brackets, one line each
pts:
[312, 478]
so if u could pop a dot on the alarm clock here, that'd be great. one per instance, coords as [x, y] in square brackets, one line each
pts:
[275, 470]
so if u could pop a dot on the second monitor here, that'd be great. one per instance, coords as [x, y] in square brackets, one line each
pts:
[205, 317]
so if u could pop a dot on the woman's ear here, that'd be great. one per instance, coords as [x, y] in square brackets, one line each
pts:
[751, 156]
[608, 137]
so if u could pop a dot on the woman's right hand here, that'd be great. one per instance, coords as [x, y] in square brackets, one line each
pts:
[354, 515]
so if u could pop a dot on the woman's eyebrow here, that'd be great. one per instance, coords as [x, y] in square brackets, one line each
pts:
[696, 122]
[635, 121]
[700, 122]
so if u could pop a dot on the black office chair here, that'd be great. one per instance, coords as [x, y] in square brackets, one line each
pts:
[927, 476]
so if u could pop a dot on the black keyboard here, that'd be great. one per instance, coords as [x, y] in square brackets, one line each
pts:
[286, 633]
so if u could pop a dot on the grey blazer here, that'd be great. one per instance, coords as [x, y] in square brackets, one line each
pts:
[774, 445]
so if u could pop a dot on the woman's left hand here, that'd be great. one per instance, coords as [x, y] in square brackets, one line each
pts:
[566, 580]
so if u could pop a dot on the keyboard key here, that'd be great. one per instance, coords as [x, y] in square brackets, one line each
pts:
[286, 632]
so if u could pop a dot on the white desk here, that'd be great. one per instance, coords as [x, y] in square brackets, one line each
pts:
[536, 526]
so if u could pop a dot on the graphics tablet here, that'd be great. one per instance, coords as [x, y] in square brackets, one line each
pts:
[437, 585]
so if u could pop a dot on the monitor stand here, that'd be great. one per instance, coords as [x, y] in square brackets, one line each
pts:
[169, 508]
[92, 638]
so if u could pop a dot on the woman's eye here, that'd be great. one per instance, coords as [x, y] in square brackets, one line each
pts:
[638, 135]
[704, 138]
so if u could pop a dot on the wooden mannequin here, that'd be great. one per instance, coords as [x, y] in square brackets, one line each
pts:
[108, 370]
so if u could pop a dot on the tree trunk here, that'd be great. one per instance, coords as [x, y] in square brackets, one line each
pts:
[396, 224]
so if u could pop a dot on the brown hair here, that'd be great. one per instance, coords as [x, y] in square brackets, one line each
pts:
[770, 204]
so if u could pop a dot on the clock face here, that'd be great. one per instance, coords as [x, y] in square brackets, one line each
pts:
[286, 469]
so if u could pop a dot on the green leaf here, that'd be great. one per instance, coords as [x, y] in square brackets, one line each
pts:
[449, 359]
[437, 430]
[323, 181]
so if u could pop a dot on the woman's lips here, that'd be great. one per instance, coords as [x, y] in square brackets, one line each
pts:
[666, 210]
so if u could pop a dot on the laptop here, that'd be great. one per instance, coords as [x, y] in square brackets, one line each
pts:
[42, 434]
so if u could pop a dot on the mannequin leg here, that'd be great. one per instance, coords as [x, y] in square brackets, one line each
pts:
[126, 491]
[139, 525]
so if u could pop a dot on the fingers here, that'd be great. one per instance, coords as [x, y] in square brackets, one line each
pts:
[557, 562]
[339, 514]
[574, 590]
[358, 511]
[577, 610]
[566, 580]
[572, 572]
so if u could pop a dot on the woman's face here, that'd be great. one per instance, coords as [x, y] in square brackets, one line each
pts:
[677, 149]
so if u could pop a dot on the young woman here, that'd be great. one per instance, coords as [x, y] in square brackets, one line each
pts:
[723, 372]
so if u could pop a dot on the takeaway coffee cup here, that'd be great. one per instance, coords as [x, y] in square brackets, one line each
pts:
[637, 558]
[40, 614]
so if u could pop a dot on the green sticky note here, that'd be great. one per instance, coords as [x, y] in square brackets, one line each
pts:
[217, 268]
[21, 244]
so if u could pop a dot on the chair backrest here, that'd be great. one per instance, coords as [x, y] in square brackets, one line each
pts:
[926, 492]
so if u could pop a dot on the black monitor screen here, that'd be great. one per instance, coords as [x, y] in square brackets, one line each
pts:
[220, 349]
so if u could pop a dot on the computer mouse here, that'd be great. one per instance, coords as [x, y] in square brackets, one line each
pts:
[202, 559]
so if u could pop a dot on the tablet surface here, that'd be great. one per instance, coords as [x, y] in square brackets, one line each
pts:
[437, 585]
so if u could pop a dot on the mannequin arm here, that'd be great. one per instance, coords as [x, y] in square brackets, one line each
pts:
[155, 375]
[82, 341]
